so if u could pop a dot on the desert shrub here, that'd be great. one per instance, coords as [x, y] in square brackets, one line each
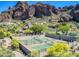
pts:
[15, 43]
[6, 52]
[7, 33]
[45, 27]
[64, 28]
[50, 32]
[34, 53]
[11, 28]
[2, 35]
[77, 54]
[67, 54]
[59, 49]
[27, 31]
[19, 27]
[37, 28]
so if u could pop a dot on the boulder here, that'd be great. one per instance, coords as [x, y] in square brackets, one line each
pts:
[21, 11]
[66, 17]
[75, 13]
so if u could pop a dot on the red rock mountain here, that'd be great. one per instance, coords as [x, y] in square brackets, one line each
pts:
[22, 11]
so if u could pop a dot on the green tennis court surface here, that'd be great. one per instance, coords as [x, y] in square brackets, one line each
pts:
[35, 40]
[41, 47]
[38, 40]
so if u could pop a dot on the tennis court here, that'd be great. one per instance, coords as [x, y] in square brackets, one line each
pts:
[37, 43]
[36, 40]
[41, 48]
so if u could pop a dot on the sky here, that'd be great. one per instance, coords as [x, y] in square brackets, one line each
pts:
[5, 4]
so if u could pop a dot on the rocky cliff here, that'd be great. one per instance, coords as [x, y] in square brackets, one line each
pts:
[22, 11]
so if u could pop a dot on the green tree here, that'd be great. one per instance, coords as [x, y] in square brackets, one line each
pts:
[36, 28]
